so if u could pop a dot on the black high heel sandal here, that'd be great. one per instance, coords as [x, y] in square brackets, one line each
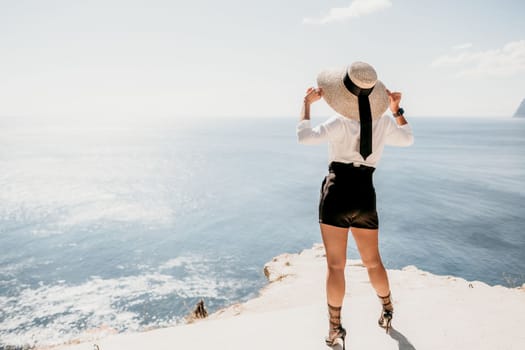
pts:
[385, 319]
[336, 330]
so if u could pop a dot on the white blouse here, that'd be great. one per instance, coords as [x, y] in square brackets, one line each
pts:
[343, 136]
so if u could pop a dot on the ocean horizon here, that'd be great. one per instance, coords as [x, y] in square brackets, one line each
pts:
[125, 227]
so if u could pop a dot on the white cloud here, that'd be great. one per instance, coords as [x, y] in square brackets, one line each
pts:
[462, 46]
[356, 9]
[501, 62]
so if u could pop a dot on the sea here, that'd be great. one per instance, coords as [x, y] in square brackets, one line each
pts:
[124, 227]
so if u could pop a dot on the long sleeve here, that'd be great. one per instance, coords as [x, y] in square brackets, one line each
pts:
[321, 133]
[398, 135]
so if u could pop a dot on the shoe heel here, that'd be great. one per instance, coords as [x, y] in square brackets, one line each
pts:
[385, 320]
[332, 342]
[343, 336]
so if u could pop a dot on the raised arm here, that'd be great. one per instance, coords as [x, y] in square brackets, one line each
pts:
[305, 133]
[312, 95]
[400, 132]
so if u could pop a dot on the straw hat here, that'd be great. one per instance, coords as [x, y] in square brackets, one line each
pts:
[344, 102]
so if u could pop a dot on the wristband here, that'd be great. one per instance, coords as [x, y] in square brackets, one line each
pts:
[399, 112]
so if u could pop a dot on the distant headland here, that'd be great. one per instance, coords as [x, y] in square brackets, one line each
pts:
[520, 113]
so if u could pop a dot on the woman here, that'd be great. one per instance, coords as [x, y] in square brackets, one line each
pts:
[356, 137]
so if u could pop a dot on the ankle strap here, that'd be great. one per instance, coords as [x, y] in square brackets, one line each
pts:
[387, 299]
[335, 308]
[334, 314]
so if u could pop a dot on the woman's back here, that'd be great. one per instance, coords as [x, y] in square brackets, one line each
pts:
[343, 136]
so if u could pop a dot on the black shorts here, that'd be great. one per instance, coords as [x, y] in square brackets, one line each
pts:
[348, 197]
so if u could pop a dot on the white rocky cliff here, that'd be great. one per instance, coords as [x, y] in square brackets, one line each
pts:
[520, 113]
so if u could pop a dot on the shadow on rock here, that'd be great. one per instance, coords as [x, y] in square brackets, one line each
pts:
[402, 341]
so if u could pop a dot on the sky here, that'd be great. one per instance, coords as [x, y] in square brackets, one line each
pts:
[183, 60]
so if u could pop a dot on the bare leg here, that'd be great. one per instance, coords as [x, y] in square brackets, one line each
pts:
[367, 244]
[335, 242]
